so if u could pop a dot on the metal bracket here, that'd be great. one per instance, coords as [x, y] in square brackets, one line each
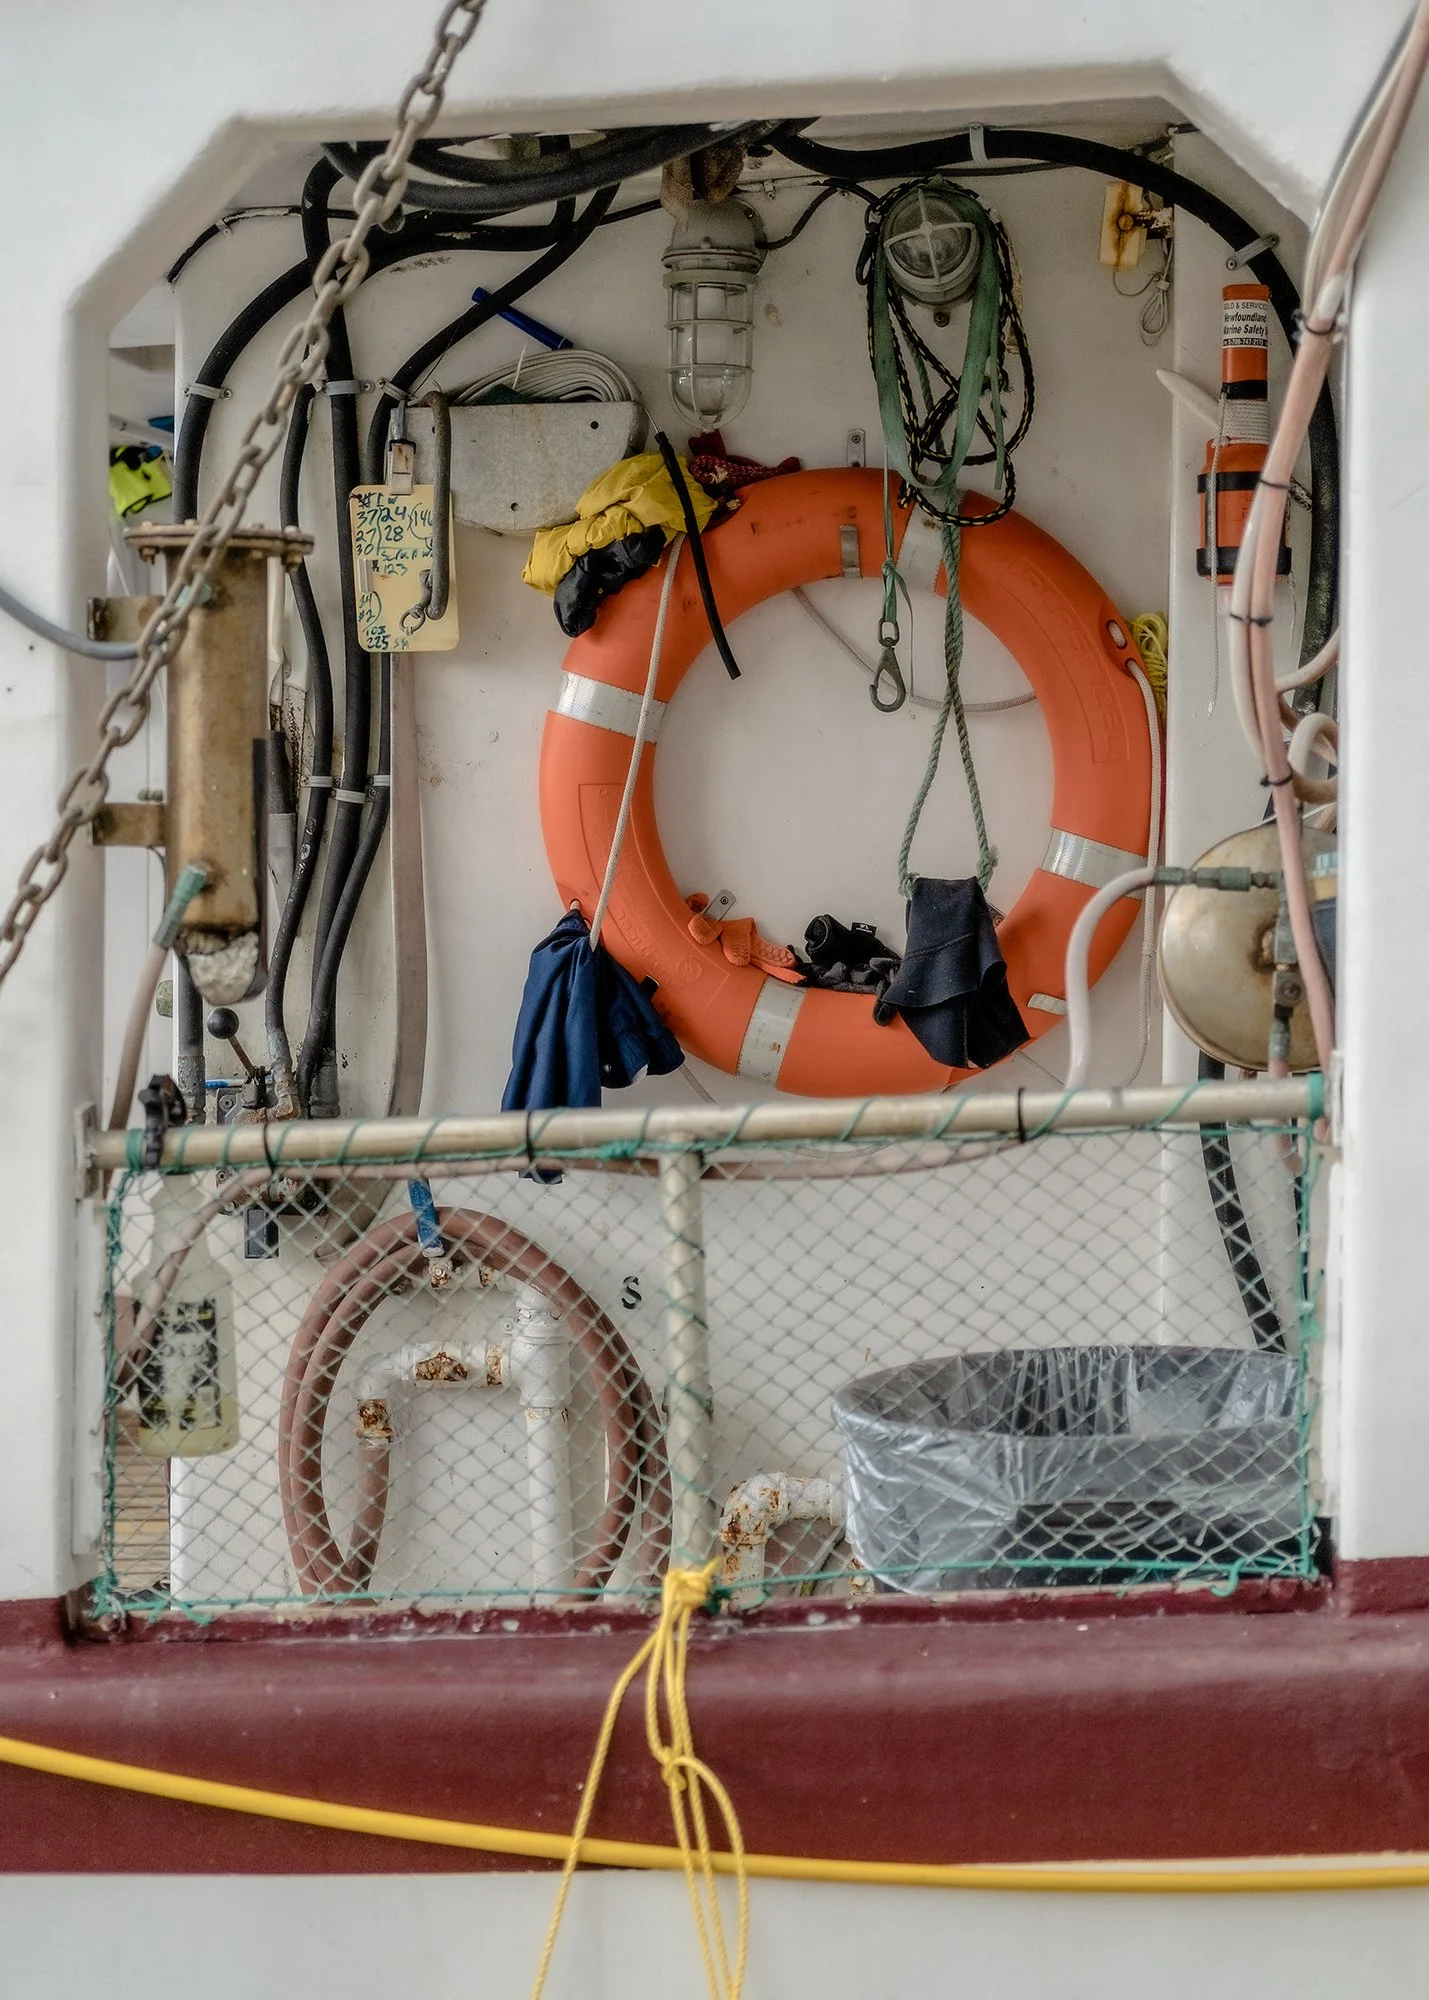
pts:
[86, 1173]
[719, 907]
[137, 824]
[401, 465]
[855, 448]
[119, 618]
[850, 559]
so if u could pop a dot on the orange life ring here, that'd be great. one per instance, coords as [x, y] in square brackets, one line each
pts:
[1058, 624]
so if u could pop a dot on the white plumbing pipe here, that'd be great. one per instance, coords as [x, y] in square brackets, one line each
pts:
[442, 1364]
[1079, 945]
[757, 1509]
[541, 1376]
[532, 1357]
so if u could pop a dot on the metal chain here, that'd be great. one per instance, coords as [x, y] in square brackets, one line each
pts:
[377, 196]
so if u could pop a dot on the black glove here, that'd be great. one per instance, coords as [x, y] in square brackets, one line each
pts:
[599, 573]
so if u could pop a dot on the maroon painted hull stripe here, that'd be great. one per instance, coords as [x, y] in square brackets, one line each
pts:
[1068, 1729]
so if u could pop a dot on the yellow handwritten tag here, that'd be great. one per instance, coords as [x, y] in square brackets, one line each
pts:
[392, 572]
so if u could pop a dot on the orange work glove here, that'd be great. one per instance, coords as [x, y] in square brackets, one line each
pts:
[741, 943]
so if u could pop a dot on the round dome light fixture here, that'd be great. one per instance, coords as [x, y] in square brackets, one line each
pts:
[933, 253]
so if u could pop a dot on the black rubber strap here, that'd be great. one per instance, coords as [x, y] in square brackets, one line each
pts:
[697, 551]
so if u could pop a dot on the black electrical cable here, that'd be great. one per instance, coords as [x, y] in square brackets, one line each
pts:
[431, 351]
[515, 236]
[305, 863]
[346, 814]
[322, 1018]
[188, 1042]
[525, 183]
[1231, 1220]
[209, 382]
[418, 236]
[811, 209]
[1114, 163]
[697, 552]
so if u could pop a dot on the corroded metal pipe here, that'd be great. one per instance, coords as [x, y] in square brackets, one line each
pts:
[217, 727]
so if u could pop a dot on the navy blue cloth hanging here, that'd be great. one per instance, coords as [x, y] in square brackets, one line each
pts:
[585, 1024]
[951, 988]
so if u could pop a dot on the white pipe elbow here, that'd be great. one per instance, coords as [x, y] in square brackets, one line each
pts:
[759, 1507]
[540, 1358]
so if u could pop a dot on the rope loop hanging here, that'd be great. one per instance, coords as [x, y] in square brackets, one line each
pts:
[915, 417]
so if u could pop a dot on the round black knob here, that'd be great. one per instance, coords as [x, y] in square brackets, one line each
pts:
[223, 1024]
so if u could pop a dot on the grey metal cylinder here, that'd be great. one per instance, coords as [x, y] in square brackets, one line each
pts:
[217, 720]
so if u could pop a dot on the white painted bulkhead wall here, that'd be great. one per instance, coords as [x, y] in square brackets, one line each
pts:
[1276, 85]
[784, 787]
[127, 209]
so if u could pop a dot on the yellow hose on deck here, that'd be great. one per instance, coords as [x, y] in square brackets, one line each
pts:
[1082, 1878]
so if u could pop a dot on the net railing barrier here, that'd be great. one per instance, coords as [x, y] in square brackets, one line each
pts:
[905, 1347]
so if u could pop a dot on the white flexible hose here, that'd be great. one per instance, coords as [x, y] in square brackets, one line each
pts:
[1079, 945]
[627, 799]
[1153, 853]
[572, 375]
[1313, 670]
[136, 1030]
[1332, 251]
[1303, 745]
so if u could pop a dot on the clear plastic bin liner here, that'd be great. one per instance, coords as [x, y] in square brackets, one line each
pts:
[1068, 1461]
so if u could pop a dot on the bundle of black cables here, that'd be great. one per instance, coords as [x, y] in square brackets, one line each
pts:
[926, 426]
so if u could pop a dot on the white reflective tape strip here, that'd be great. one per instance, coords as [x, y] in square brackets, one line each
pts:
[350, 798]
[616, 709]
[1047, 1003]
[770, 1025]
[319, 784]
[1087, 861]
[921, 556]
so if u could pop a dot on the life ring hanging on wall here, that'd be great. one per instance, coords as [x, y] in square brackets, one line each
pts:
[1065, 634]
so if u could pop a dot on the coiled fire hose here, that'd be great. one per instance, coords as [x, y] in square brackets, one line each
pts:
[388, 1259]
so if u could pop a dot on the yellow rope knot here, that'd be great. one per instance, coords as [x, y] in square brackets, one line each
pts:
[665, 1655]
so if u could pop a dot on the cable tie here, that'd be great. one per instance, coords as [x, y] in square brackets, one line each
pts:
[1245, 618]
[344, 388]
[208, 390]
[1257, 247]
[350, 798]
[1274, 783]
[1276, 485]
[977, 145]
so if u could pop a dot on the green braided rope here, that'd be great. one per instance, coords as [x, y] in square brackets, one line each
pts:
[952, 705]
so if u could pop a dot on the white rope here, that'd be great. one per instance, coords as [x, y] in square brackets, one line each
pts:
[622, 819]
[915, 700]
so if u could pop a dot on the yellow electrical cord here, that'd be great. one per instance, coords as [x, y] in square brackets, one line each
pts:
[665, 1654]
[1152, 637]
[1082, 1878]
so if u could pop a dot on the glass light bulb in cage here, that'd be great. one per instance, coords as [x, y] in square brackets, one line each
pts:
[933, 252]
[710, 268]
